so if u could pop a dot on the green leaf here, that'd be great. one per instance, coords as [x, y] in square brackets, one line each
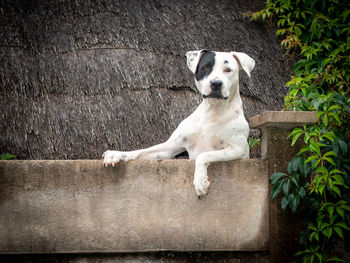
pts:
[325, 119]
[314, 235]
[322, 170]
[295, 179]
[316, 103]
[295, 131]
[319, 114]
[338, 179]
[304, 168]
[302, 252]
[341, 202]
[312, 227]
[346, 207]
[276, 176]
[284, 203]
[330, 210]
[334, 107]
[276, 189]
[313, 157]
[336, 171]
[332, 219]
[319, 256]
[343, 225]
[325, 205]
[286, 187]
[302, 192]
[306, 137]
[308, 65]
[339, 231]
[316, 163]
[329, 135]
[297, 31]
[335, 116]
[295, 164]
[294, 203]
[330, 160]
[299, 65]
[334, 258]
[7, 156]
[330, 153]
[289, 167]
[336, 190]
[336, 148]
[295, 138]
[303, 150]
[321, 188]
[343, 146]
[314, 146]
[328, 231]
[340, 212]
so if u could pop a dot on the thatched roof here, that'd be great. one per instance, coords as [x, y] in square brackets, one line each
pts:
[80, 77]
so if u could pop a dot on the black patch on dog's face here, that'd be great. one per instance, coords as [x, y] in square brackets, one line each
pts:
[205, 65]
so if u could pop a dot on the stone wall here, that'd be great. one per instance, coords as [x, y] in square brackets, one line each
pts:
[81, 207]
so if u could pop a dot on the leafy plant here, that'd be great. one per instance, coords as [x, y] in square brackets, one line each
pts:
[254, 147]
[254, 142]
[7, 156]
[317, 180]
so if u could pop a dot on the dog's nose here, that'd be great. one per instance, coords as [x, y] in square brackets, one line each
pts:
[215, 85]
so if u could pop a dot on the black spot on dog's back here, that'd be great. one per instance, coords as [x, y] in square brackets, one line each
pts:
[205, 65]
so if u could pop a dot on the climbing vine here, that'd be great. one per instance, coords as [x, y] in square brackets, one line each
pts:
[317, 181]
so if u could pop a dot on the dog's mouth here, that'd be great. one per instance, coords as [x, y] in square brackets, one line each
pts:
[214, 96]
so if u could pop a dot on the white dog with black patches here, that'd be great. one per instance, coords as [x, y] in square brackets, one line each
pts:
[217, 130]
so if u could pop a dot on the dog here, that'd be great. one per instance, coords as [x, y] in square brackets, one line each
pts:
[217, 130]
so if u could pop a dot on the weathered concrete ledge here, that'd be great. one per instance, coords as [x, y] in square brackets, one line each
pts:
[80, 206]
[283, 119]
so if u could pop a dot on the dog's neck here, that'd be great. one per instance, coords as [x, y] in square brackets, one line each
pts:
[214, 108]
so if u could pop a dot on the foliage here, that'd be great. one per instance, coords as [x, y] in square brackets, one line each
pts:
[7, 156]
[254, 147]
[254, 142]
[317, 180]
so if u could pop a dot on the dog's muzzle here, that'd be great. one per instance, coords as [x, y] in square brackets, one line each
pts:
[214, 96]
[216, 86]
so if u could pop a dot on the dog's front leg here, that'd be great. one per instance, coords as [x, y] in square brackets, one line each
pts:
[201, 180]
[166, 150]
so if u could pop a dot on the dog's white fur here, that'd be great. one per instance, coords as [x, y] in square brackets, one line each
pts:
[216, 131]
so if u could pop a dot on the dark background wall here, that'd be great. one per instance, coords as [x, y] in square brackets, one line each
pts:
[80, 77]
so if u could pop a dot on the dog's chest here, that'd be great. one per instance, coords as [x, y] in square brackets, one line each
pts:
[206, 139]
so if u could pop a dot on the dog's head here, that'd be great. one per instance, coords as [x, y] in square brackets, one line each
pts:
[216, 73]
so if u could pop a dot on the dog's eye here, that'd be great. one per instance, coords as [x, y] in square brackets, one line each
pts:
[205, 69]
[227, 70]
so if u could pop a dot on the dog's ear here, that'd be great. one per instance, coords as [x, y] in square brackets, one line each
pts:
[193, 58]
[244, 61]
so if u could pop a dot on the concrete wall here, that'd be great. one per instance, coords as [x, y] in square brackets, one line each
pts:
[80, 206]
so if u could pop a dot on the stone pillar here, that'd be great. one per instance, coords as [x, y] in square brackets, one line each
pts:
[275, 127]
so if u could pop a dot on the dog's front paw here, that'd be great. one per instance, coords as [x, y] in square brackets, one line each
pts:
[201, 184]
[112, 158]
